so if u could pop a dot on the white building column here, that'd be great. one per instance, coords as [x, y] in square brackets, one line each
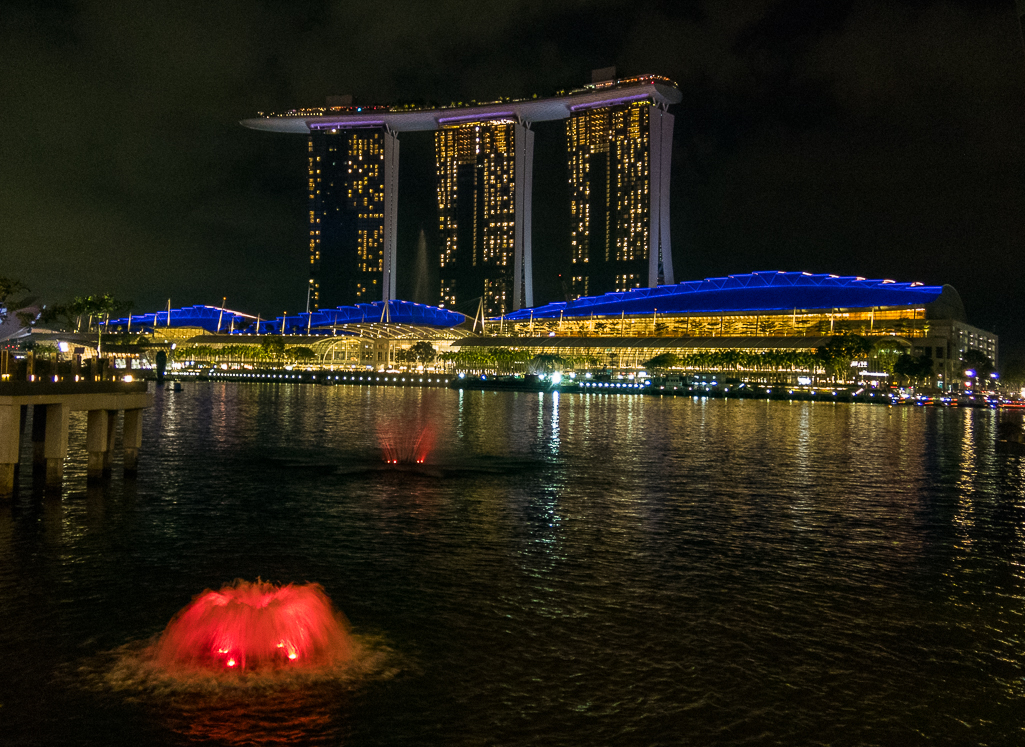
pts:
[659, 170]
[391, 213]
[523, 186]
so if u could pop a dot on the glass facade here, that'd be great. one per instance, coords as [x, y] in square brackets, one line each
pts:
[346, 191]
[476, 194]
[610, 181]
[907, 322]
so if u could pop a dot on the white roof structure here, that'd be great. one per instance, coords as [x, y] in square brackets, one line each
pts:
[656, 89]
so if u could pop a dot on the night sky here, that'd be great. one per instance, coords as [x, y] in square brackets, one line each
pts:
[881, 139]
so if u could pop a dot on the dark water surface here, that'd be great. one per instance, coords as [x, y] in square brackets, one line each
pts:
[584, 569]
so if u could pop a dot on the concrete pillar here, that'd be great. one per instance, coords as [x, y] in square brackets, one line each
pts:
[23, 414]
[10, 439]
[660, 156]
[55, 447]
[391, 213]
[523, 188]
[96, 437]
[111, 434]
[131, 437]
[38, 438]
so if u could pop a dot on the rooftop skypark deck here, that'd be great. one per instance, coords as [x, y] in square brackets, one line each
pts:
[414, 118]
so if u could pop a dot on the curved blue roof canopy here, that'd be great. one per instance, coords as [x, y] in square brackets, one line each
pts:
[399, 312]
[212, 319]
[756, 291]
[206, 317]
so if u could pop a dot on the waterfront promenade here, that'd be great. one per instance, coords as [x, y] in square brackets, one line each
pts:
[53, 392]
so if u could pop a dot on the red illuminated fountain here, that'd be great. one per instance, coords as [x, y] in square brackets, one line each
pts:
[255, 627]
[406, 446]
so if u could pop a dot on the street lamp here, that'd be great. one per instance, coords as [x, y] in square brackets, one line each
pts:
[970, 374]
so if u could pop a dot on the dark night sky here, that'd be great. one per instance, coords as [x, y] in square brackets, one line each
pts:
[881, 139]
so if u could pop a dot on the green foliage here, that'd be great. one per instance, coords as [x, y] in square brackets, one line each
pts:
[500, 360]
[125, 340]
[886, 355]
[270, 349]
[979, 362]
[913, 368]
[45, 350]
[1012, 373]
[273, 346]
[104, 305]
[732, 359]
[420, 352]
[662, 362]
[837, 354]
[72, 313]
[546, 363]
[8, 287]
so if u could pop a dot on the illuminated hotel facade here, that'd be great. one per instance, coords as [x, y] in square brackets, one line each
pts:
[619, 165]
[352, 183]
[484, 160]
[484, 185]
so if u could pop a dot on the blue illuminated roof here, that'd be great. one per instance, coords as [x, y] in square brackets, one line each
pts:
[213, 319]
[399, 312]
[756, 291]
[206, 317]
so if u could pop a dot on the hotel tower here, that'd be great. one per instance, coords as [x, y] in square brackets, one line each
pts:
[620, 145]
[352, 181]
[619, 165]
[484, 185]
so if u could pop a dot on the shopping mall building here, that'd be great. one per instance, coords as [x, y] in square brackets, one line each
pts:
[759, 326]
[759, 312]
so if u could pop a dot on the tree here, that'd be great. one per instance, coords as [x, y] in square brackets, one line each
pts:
[662, 361]
[837, 354]
[72, 312]
[65, 313]
[301, 353]
[979, 362]
[886, 355]
[9, 302]
[914, 368]
[545, 363]
[422, 352]
[1012, 373]
[9, 287]
[273, 346]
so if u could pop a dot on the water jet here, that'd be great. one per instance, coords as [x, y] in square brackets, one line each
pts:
[255, 626]
[406, 446]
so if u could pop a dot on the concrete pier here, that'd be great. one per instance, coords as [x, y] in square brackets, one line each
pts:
[9, 437]
[131, 439]
[55, 448]
[52, 404]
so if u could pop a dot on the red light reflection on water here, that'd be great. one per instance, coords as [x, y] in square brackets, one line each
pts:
[255, 626]
[404, 445]
[282, 717]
